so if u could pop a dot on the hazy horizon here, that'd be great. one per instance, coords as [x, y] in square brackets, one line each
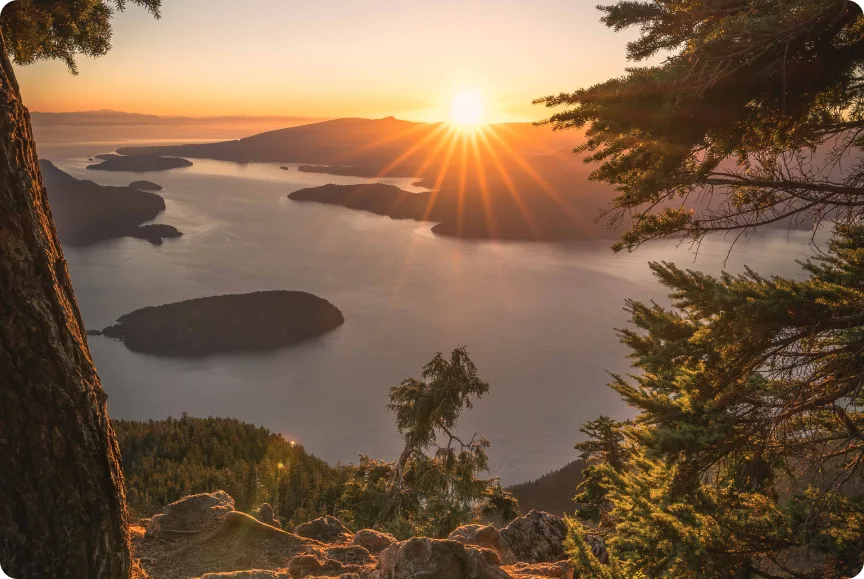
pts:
[383, 58]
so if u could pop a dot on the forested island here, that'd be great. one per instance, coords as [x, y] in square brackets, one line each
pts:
[138, 163]
[86, 213]
[499, 216]
[257, 321]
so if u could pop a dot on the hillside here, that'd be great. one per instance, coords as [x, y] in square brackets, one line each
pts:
[553, 492]
[86, 212]
[165, 460]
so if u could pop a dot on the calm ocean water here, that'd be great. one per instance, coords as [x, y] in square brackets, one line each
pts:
[538, 319]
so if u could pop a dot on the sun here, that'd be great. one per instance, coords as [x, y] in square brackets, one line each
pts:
[467, 108]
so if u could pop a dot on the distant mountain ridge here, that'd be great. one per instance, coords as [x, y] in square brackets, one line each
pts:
[107, 117]
[504, 181]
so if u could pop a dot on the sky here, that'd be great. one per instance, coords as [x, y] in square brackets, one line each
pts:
[337, 58]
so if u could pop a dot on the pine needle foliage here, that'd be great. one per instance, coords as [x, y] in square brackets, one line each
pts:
[37, 30]
[753, 117]
[746, 458]
[434, 486]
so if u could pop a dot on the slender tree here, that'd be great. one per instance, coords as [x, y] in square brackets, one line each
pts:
[62, 503]
[431, 407]
[423, 492]
[603, 448]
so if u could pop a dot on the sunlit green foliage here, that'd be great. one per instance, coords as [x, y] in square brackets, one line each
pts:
[753, 117]
[747, 455]
[168, 459]
[429, 493]
[745, 458]
[37, 30]
[602, 448]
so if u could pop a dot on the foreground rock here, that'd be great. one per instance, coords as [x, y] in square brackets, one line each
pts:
[201, 537]
[266, 516]
[86, 213]
[138, 163]
[191, 515]
[238, 543]
[485, 536]
[325, 529]
[256, 321]
[435, 559]
[249, 574]
[537, 537]
[373, 541]
[561, 570]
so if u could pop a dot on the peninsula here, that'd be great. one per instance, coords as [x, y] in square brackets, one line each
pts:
[86, 212]
[495, 216]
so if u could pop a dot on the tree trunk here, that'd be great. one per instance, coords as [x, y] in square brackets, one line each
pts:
[62, 500]
[395, 489]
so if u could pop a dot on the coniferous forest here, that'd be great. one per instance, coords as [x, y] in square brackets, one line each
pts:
[165, 460]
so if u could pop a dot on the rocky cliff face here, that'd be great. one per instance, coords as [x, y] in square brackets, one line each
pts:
[202, 537]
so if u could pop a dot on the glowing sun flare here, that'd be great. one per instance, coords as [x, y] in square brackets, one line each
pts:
[467, 108]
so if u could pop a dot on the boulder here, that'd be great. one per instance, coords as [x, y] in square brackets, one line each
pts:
[191, 515]
[302, 565]
[351, 554]
[435, 559]
[266, 516]
[561, 570]
[537, 537]
[325, 529]
[249, 574]
[485, 536]
[491, 557]
[373, 541]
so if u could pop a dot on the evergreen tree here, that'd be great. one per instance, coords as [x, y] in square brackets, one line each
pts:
[754, 119]
[602, 448]
[62, 502]
[423, 494]
[745, 457]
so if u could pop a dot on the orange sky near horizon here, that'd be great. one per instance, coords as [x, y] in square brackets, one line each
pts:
[335, 59]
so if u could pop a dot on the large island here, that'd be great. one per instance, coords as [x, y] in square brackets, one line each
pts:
[494, 215]
[257, 321]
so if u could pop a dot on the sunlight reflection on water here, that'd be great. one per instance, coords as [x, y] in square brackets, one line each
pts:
[537, 318]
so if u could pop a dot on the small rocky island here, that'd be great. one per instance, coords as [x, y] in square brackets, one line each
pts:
[145, 186]
[138, 163]
[86, 212]
[258, 321]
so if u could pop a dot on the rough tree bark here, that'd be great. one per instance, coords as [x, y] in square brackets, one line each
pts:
[62, 499]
